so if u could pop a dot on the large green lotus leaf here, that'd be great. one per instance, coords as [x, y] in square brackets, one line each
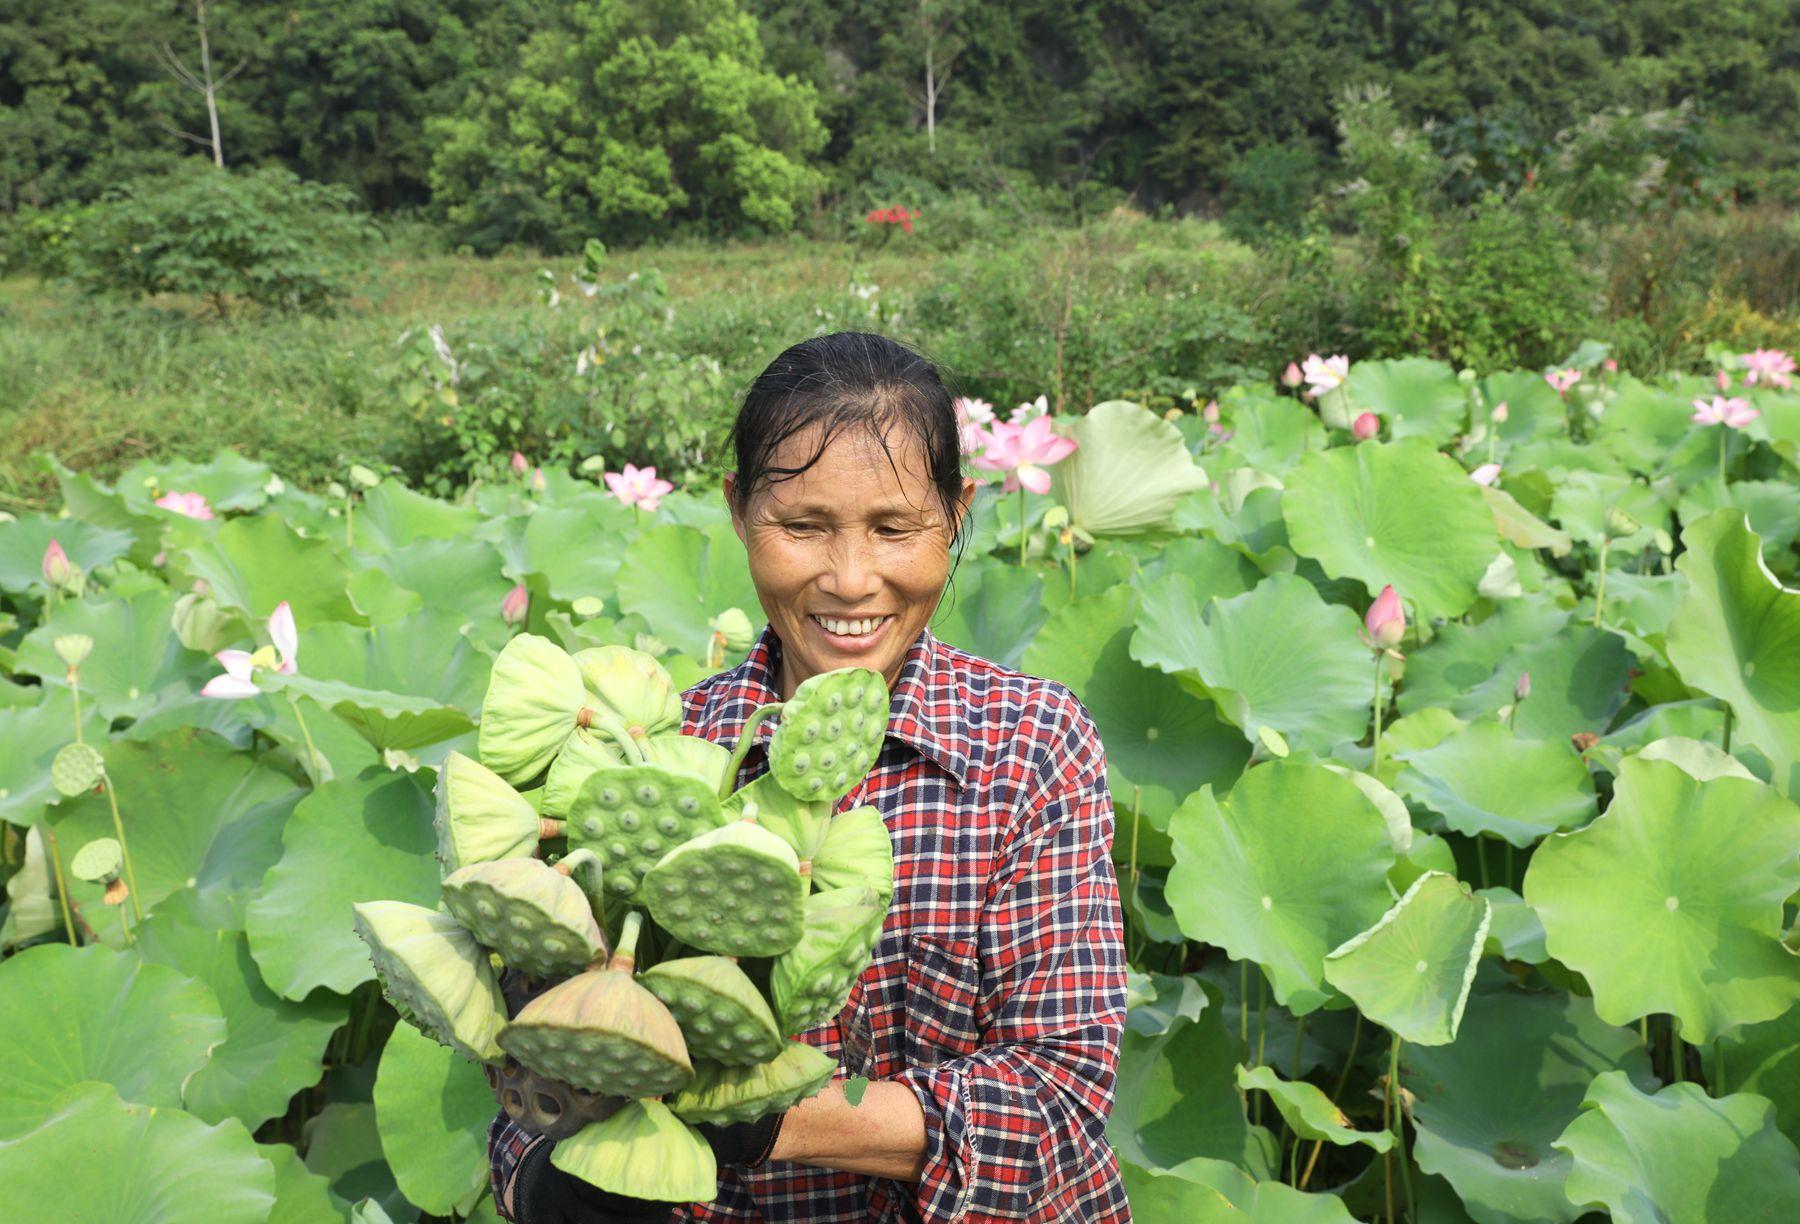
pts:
[1583, 499]
[678, 578]
[1128, 470]
[254, 563]
[136, 657]
[1762, 1058]
[196, 815]
[1484, 779]
[460, 578]
[387, 720]
[392, 516]
[1772, 506]
[273, 1046]
[343, 1144]
[1174, 1097]
[1252, 523]
[86, 500]
[1643, 424]
[1309, 1112]
[301, 1196]
[379, 598]
[1672, 901]
[1160, 738]
[33, 735]
[995, 610]
[1289, 865]
[366, 838]
[1520, 527]
[97, 1159]
[433, 1109]
[1679, 1155]
[1533, 409]
[1737, 636]
[1488, 1106]
[1278, 657]
[1217, 569]
[1416, 396]
[559, 543]
[1206, 1191]
[1515, 934]
[1411, 971]
[1400, 514]
[24, 540]
[74, 1014]
[228, 480]
[1269, 433]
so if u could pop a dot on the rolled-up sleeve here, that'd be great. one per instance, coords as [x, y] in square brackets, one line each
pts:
[1016, 1129]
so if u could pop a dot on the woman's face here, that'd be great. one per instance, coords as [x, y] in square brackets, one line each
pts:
[850, 557]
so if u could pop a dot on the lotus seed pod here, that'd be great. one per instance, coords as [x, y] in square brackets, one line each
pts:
[643, 1151]
[857, 852]
[479, 817]
[688, 754]
[98, 861]
[199, 622]
[734, 629]
[601, 1031]
[76, 768]
[721, 1095]
[436, 974]
[831, 729]
[536, 918]
[533, 695]
[812, 981]
[632, 816]
[550, 1107]
[587, 607]
[72, 648]
[723, 1016]
[631, 686]
[736, 891]
[650, 644]
[582, 753]
[798, 822]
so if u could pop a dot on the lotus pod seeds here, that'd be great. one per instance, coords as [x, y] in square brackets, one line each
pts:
[631, 686]
[736, 891]
[721, 1095]
[76, 769]
[436, 974]
[582, 754]
[857, 852]
[723, 1016]
[536, 918]
[819, 752]
[601, 1031]
[643, 1151]
[98, 861]
[533, 694]
[630, 817]
[811, 981]
[479, 817]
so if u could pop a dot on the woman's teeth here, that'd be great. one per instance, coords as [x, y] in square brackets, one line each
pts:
[851, 628]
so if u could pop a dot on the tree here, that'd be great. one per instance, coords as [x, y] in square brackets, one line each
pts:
[201, 82]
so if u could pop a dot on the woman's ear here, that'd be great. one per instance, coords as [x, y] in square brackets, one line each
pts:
[965, 500]
[737, 524]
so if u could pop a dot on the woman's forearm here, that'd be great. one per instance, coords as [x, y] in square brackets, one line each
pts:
[881, 1136]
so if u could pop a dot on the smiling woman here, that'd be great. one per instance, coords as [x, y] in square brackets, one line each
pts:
[990, 1016]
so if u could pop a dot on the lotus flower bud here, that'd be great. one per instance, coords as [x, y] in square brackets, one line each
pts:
[1291, 377]
[514, 606]
[1722, 380]
[1619, 523]
[735, 628]
[1385, 622]
[59, 571]
[1486, 474]
[198, 623]
[1210, 413]
[538, 483]
[1612, 366]
[1522, 687]
[73, 648]
[1366, 426]
[519, 464]
[1499, 414]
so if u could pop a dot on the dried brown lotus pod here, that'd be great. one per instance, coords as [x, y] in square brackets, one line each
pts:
[545, 1106]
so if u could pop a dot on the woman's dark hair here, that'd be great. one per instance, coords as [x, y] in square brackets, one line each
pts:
[839, 381]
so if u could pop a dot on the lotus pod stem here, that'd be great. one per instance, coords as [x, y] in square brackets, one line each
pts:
[112, 800]
[549, 827]
[588, 718]
[62, 884]
[624, 957]
[741, 749]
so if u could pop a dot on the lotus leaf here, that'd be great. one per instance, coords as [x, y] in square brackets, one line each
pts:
[537, 918]
[1416, 396]
[726, 1094]
[301, 1196]
[34, 735]
[631, 816]
[643, 1151]
[858, 851]
[722, 1015]
[1309, 1111]
[479, 818]
[436, 974]
[137, 665]
[602, 1031]
[999, 614]
[1127, 472]
[1411, 971]
[811, 981]
[256, 562]
[533, 696]
[1484, 779]
[735, 890]
[1200, 1190]
[432, 1109]
[632, 686]
[831, 729]
[678, 578]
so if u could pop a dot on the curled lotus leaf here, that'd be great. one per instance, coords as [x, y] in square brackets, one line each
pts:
[603, 1032]
[1412, 970]
[76, 769]
[723, 1016]
[537, 918]
[736, 890]
[801, 823]
[632, 686]
[533, 695]
[721, 1095]
[643, 1151]
[435, 973]
[582, 754]
[858, 851]
[479, 817]
[831, 729]
[633, 815]
[811, 981]
[687, 754]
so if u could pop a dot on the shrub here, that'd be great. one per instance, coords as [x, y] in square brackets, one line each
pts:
[1271, 187]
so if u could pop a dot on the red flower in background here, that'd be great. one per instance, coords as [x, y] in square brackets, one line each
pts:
[894, 216]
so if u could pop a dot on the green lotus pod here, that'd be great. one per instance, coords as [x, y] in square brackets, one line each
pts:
[435, 973]
[76, 769]
[480, 818]
[72, 648]
[800, 823]
[811, 981]
[98, 861]
[736, 890]
[687, 754]
[535, 916]
[643, 1151]
[722, 1015]
[533, 696]
[857, 852]
[199, 622]
[633, 815]
[602, 1031]
[734, 629]
[582, 753]
[633, 687]
[831, 729]
[720, 1095]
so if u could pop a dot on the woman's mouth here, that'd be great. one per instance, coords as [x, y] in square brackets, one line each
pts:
[851, 633]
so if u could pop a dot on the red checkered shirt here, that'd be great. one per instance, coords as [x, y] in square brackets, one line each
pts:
[997, 990]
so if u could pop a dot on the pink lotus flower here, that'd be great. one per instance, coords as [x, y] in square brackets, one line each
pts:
[1612, 366]
[1023, 452]
[1365, 426]
[1733, 413]
[1562, 380]
[1522, 687]
[59, 571]
[538, 483]
[638, 487]
[241, 665]
[1210, 413]
[514, 606]
[1770, 366]
[1292, 377]
[1385, 622]
[971, 416]
[1499, 414]
[519, 463]
[1722, 380]
[193, 505]
[1324, 374]
[1031, 410]
[1486, 474]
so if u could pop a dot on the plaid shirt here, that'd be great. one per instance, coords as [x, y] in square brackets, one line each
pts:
[997, 989]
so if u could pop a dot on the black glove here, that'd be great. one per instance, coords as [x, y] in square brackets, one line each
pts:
[743, 1143]
[547, 1195]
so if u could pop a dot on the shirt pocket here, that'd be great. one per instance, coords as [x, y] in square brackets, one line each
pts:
[943, 979]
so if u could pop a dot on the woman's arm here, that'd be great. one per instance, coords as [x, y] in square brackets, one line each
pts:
[883, 1135]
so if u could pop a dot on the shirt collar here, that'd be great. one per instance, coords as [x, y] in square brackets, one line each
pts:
[927, 710]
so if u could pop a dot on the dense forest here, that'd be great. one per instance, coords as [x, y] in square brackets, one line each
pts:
[510, 117]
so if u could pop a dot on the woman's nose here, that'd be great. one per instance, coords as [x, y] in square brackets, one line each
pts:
[850, 572]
